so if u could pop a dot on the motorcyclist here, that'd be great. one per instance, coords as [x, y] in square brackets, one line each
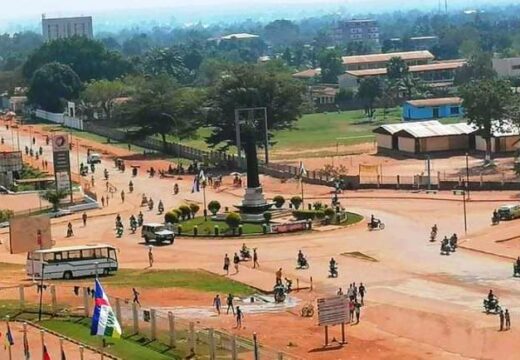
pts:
[176, 189]
[140, 218]
[518, 262]
[496, 217]
[433, 233]
[150, 204]
[106, 174]
[434, 229]
[333, 267]
[244, 250]
[453, 241]
[118, 219]
[372, 221]
[491, 297]
[130, 186]
[160, 207]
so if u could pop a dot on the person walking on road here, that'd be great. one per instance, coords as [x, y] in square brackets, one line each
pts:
[351, 308]
[507, 317]
[279, 276]
[358, 311]
[501, 320]
[229, 302]
[255, 259]
[136, 297]
[102, 201]
[226, 264]
[150, 256]
[122, 196]
[362, 290]
[70, 232]
[236, 261]
[339, 292]
[240, 316]
[84, 217]
[217, 303]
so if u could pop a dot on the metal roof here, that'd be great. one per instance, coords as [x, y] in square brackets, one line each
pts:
[307, 74]
[438, 66]
[424, 129]
[372, 58]
[435, 102]
[74, 248]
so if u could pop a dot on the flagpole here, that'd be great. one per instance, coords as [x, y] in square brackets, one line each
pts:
[42, 336]
[303, 202]
[7, 340]
[204, 197]
[25, 342]
[61, 348]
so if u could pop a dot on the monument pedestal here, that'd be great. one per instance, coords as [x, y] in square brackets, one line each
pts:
[253, 205]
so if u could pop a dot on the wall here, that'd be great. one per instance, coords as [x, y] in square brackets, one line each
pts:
[416, 113]
[384, 141]
[62, 119]
[407, 144]
[504, 67]
[480, 144]
[347, 81]
[507, 143]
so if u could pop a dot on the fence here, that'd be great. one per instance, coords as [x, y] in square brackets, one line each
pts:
[159, 325]
[59, 118]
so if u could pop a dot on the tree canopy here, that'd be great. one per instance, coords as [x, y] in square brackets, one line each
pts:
[331, 66]
[252, 86]
[369, 90]
[52, 85]
[88, 58]
[100, 94]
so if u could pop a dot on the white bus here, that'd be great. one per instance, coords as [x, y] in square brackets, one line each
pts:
[72, 261]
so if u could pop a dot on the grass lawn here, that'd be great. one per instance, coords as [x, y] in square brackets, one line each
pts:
[352, 218]
[188, 279]
[207, 227]
[127, 348]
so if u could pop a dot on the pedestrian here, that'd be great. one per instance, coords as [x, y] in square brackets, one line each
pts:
[84, 217]
[122, 196]
[354, 290]
[217, 303]
[69, 230]
[362, 290]
[103, 201]
[255, 259]
[502, 320]
[279, 276]
[129, 147]
[236, 261]
[508, 319]
[357, 307]
[150, 256]
[107, 185]
[350, 292]
[351, 308]
[340, 292]
[226, 264]
[240, 316]
[107, 200]
[229, 302]
[136, 297]
[92, 181]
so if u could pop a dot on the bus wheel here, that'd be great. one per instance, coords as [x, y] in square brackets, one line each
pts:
[106, 272]
[67, 275]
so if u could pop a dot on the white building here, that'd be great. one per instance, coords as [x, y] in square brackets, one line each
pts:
[60, 28]
[507, 67]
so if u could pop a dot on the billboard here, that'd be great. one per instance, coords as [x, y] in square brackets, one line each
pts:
[60, 142]
[29, 233]
[63, 181]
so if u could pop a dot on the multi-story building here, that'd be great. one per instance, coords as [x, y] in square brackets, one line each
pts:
[60, 28]
[377, 61]
[507, 67]
[363, 30]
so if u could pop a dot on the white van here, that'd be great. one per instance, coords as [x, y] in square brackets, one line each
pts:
[94, 158]
[72, 261]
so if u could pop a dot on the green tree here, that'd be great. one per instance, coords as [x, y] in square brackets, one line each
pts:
[88, 58]
[281, 32]
[233, 220]
[296, 201]
[486, 104]
[194, 208]
[279, 200]
[52, 85]
[166, 61]
[137, 45]
[369, 91]
[331, 66]
[160, 107]
[214, 207]
[102, 93]
[396, 68]
[478, 67]
[253, 86]
[54, 197]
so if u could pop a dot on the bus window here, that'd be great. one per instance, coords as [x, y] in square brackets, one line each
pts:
[87, 254]
[73, 255]
[112, 254]
[48, 257]
[58, 256]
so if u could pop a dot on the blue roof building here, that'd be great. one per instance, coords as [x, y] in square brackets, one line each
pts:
[428, 109]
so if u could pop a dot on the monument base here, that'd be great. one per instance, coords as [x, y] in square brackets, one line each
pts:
[253, 205]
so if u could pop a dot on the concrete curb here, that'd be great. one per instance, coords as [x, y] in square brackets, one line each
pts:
[487, 252]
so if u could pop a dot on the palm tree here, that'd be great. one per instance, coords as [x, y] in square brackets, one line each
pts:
[54, 197]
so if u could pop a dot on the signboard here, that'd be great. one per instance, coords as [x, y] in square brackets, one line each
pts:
[63, 181]
[29, 233]
[60, 142]
[333, 310]
[11, 161]
[288, 227]
[61, 161]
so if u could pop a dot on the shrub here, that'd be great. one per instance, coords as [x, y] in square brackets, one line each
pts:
[267, 217]
[194, 208]
[171, 217]
[320, 214]
[185, 211]
[317, 205]
[5, 215]
[233, 219]
[296, 201]
[214, 207]
[177, 212]
[304, 214]
[279, 200]
[329, 212]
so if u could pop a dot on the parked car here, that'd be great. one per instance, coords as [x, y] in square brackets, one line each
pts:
[59, 213]
[94, 158]
[157, 232]
[509, 212]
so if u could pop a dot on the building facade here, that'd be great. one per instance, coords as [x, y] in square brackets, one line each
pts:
[507, 67]
[378, 61]
[61, 28]
[427, 109]
[363, 30]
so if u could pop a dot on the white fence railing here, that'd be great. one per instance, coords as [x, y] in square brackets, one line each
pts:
[62, 119]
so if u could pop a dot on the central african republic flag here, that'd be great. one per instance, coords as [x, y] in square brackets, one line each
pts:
[104, 321]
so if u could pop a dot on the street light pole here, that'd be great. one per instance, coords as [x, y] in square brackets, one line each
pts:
[467, 174]
[465, 218]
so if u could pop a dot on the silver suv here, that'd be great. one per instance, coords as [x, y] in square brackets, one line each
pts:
[157, 232]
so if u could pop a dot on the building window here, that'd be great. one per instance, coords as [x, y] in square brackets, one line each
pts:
[515, 67]
[454, 110]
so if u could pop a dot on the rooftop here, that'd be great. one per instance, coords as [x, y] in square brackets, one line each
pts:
[435, 102]
[75, 248]
[425, 129]
[372, 58]
[444, 65]
[307, 74]
[238, 36]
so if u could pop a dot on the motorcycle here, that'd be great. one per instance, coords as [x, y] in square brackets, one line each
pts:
[133, 225]
[131, 187]
[245, 254]
[150, 205]
[433, 235]
[144, 201]
[516, 270]
[445, 248]
[495, 220]
[491, 306]
[333, 271]
[302, 263]
[119, 231]
[453, 243]
[140, 220]
[377, 225]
